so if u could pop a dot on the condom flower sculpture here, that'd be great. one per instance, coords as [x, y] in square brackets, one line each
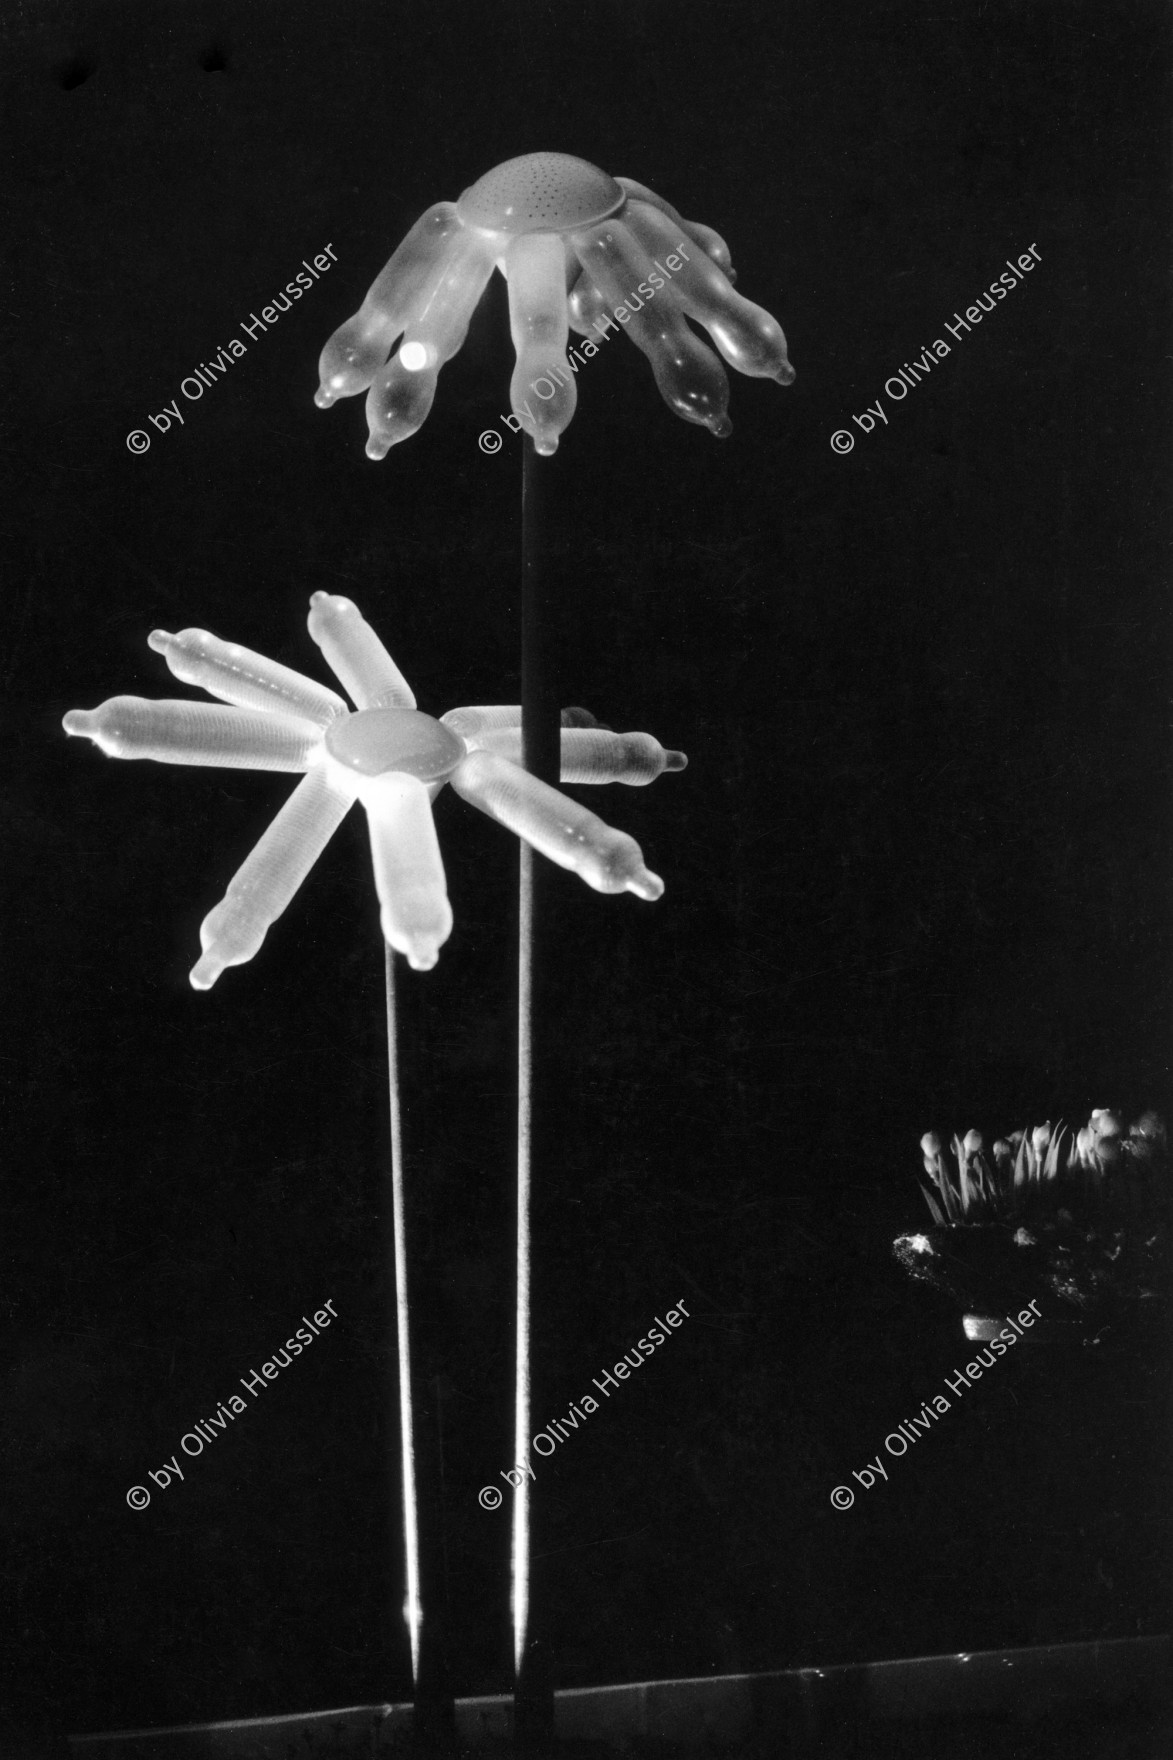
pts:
[578, 249]
[385, 753]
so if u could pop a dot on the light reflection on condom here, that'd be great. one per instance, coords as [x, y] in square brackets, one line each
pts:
[579, 249]
[385, 753]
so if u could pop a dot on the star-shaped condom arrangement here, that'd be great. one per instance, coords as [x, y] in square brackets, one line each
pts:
[579, 249]
[384, 753]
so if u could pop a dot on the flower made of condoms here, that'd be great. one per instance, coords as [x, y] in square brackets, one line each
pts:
[579, 249]
[384, 753]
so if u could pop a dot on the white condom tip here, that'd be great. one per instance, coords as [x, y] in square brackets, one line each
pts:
[205, 972]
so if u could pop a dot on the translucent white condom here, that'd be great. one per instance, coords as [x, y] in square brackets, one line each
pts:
[409, 871]
[568, 834]
[579, 248]
[747, 337]
[542, 384]
[263, 886]
[384, 753]
[595, 754]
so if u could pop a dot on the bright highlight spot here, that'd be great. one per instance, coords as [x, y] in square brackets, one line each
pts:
[413, 356]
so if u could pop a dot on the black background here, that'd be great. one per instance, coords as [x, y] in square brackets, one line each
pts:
[916, 871]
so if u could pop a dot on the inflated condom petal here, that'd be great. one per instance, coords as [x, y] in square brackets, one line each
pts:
[238, 675]
[587, 309]
[608, 860]
[358, 348]
[691, 380]
[748, 337]
[355, 655]
[398, 404]
[266, 881]
[710, 242]
[596, 755]
[174, 731]
[479, 718]
[402, 392]
[542, 391]
[409, 872]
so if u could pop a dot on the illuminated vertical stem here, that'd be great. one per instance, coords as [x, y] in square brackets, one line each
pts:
[540, 744]
[521, 1409]
[412, 1611]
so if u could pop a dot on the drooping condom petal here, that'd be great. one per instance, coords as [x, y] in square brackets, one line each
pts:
[356, 656]
[478, 718]
[710, 242]
[237, 675]
[398, 404]
[587, 308]
[359, 347]
[401, 394]
[594, 754]
[642, 193]
[714, 246]
[409, 874]
[559, 828]
[263, 886]
[542, 392]
[747, 336]
[177, 732]
[691, 380]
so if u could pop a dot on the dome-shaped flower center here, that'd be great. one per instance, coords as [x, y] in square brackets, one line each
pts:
[376, 740]
[540, 192]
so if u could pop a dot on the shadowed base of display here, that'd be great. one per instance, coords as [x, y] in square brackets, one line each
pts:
[1114, 1689]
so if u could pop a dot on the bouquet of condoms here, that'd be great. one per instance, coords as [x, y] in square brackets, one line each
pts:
[1080, 1214]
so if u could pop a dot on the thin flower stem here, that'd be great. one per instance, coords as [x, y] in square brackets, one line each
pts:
[541, 755]
[412, 1610]
[521, 1408]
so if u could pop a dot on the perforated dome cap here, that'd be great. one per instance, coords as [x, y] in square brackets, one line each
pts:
[540, 192]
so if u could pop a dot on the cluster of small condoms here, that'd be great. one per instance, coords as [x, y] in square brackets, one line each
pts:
[1045, 1167]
